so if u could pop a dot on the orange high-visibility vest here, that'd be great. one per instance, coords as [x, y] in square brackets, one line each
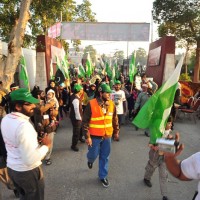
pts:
[101, 124]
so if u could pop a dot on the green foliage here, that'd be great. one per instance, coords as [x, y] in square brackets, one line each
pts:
[141, 56]
[43, 15]
[191, 62]
[91, 51]
[119, 55]
[184, 77]
[84, 12]
[178, 17]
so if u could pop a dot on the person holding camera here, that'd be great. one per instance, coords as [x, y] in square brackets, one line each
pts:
[156, 160]
[99, 123]
[185, 170]
[24, 153]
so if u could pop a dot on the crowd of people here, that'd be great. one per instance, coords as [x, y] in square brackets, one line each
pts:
[96, 111]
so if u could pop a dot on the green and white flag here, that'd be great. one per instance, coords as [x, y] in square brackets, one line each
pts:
[108, 68]
[117, 72]
[101, 63]
[81, 70]
[132, 67]
[88, 66]
[112, 81]
[64, 64]
[156, 110]
[23, 72]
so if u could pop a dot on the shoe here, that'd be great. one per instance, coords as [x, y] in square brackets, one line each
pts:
[147, 134]
[48, 162]
[82, 140]
[16, 192]
[74, 148]
[147, 182]
[116, 139]
[90, 165]
[164, 198]
[105, 182]
[61, 118]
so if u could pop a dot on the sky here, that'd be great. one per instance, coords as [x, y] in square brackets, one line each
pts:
[121, 11]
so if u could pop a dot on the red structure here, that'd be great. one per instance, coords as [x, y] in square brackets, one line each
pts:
[157, 57]
[44, 45]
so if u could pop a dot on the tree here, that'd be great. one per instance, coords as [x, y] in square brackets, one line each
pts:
[90, 49]
[15, 42]
[43, 15]
[141, 56]
[18, 29]
[119, 55]
[84, 12]
[180, 18]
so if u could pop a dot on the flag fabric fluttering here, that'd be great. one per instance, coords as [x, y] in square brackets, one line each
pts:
[81, 70]
[101, 63]
[88, 66]
[59, 77]
[112, 81]
[155, 112]
[23, 72]
[64, 64]
[108, 68]
[132, 67]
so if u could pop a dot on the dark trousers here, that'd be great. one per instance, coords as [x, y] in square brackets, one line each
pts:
[76, 132]
[30, 184]
[61, 110]
[120, 119]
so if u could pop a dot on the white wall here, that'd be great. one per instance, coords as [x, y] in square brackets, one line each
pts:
[30, 57]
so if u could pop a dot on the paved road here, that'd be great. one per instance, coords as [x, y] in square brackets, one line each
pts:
[68, 178]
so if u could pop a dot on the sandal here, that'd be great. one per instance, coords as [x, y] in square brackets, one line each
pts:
[48, 162]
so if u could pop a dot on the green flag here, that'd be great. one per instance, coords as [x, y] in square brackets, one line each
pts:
[117, 73]
[64, 64]
[23, 72]
[108, 68]
[81, 70]
[112, 81]
[88, 65]
[132, 68]
[156, 110]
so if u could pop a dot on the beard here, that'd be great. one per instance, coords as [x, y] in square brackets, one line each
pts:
[105, 99]
[42, 98]
[28, 113]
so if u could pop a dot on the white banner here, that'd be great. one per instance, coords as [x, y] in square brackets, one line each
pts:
[105, 31]
[54, 31]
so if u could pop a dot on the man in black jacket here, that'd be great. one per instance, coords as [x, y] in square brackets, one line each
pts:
[76, 114]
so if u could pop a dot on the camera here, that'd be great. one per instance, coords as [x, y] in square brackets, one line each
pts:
[167, 145]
